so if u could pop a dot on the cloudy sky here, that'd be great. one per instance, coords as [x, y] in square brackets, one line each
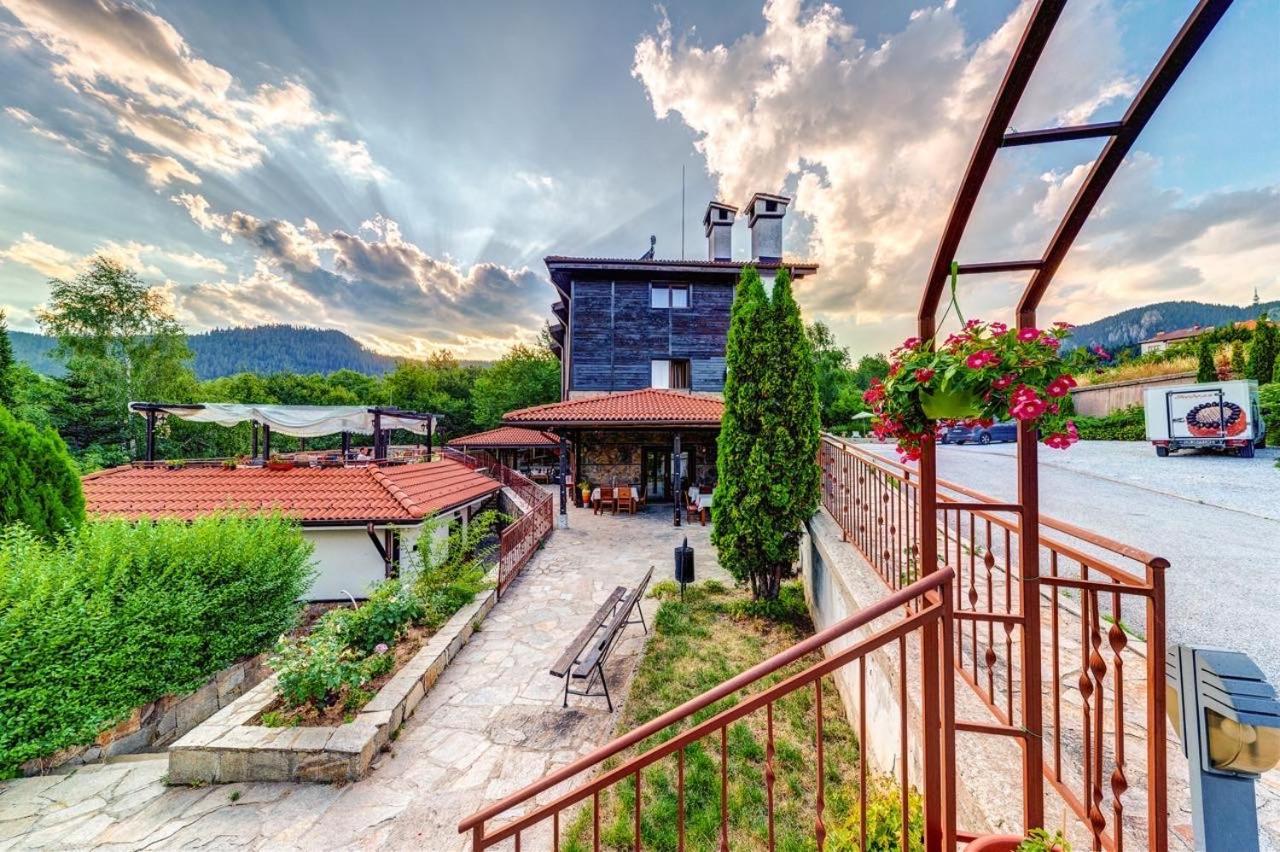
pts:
[399, 170]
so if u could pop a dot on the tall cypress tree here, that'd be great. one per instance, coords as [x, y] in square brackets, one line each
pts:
[739, 503]
[1263, 352]
[6, 363]
[791, 435]
[1206, 371]
[767, 463]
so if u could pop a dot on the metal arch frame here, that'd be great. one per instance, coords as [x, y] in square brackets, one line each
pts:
[1120, 136]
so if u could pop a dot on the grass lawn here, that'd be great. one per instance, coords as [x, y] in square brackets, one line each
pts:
[696, 645]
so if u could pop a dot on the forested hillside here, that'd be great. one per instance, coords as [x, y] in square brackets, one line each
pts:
[262, 350]
[1129, 327]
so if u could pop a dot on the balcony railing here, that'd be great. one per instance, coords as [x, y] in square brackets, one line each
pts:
[525, 818]
[1101, 614]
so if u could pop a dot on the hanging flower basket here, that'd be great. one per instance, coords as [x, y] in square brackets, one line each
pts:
[985, 373]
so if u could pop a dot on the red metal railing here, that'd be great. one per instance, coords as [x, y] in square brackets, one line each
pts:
[1101, 612]
[521, 538]
[928, 604]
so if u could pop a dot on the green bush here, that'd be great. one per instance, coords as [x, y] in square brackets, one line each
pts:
[39, 483]
[116, 614]
[1269, 402]
[1128, 424]
[381, 619]
[449, 575]
[315, 668]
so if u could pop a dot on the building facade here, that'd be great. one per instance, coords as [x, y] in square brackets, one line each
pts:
[650, 335]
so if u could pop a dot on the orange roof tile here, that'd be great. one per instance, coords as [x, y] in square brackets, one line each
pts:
[648, 407]
[402, 493]
[507, 436]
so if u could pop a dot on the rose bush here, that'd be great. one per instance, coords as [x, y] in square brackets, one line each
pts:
[986, 372]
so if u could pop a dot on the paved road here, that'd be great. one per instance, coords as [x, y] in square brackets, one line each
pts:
[1215, 518]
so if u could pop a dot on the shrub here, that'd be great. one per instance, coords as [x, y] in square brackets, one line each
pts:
[116, 614]
[884, 818]
[315, 668]
[381, 619]
[1269, 402]
[1206, 370]
[447, 576]
[39, 483]
[1128, 424]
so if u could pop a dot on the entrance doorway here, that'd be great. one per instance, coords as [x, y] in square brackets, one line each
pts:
[656, 464]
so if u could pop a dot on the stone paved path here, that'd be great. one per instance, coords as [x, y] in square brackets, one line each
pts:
[492, 724]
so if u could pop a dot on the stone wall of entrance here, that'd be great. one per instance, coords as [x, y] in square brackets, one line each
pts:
[615, 457]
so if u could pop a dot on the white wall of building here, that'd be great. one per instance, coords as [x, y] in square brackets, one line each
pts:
[347, 564]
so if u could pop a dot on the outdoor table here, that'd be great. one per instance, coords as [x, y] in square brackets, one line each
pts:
[595, 493]
[702, 501]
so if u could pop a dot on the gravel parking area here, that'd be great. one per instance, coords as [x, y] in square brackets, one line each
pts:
[1216, 518]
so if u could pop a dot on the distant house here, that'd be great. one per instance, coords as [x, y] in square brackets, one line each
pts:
[1161, 341]
[361, 519]
[530, 451]
[642, 353]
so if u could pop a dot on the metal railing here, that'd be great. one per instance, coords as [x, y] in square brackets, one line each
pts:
[928, 616]
[1102, 611]
[521, 538]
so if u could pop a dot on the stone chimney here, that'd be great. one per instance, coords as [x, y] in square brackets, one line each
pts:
[718, 223]
[764, 218]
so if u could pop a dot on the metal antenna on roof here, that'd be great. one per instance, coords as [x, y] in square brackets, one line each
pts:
[1255, 292]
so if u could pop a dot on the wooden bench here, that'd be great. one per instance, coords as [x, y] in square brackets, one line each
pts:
[586, 655]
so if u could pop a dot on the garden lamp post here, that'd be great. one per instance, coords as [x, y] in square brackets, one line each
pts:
[1228, 718]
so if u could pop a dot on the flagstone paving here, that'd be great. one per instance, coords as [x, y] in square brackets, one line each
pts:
[492, 724]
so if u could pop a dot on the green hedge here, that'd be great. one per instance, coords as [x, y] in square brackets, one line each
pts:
[115, 614]
[1269, 402]
[1128, 424]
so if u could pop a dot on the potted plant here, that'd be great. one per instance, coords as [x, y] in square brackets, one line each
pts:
[986, 372]
[278, 463]
[1035, 840]
[229, 464]
[584, 488]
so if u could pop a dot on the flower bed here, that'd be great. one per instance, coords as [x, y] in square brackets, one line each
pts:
[354, 677]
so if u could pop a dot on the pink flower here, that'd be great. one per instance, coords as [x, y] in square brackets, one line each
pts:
[923, 375]
[978, 360]
[1061, 386]
[1004, 381]
[1058, 441]
[1065, 326]
[380, 648]
[998, 328]
[1101, 353]
[1026, 404]
[955, 341]
[911, 343]
[972, 324]
[1050, 341]
[1027, 335]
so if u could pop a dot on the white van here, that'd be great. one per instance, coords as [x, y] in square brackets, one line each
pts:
[1213, 415]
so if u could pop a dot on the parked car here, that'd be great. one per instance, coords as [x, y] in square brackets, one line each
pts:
[1003, 431]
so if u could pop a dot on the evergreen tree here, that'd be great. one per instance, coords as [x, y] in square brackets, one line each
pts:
[1237, 359]
[90, 413]
[1262, 352]
[790, 437]
[6, 363]
[1205, 369]
[739, 501]
[39, 483]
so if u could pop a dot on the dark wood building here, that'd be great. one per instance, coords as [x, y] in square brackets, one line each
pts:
[655, 326]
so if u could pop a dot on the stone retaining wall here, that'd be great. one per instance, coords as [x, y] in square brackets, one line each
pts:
[153, 726]
[227, 749]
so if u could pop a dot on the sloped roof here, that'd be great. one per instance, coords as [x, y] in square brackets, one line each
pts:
[400, 493]
[507, 436]
[1179, 333]
[647, 407]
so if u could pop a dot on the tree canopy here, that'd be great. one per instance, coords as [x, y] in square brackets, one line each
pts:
[523, 377]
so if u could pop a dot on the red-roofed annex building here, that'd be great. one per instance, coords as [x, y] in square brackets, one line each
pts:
[532, 452]
[362, 519]
[642, 344]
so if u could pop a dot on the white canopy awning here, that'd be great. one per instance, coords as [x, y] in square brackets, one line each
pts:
[299, 421]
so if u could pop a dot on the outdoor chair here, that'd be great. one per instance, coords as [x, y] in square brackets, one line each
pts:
[691, 508]
[606, 500]
[625, 501]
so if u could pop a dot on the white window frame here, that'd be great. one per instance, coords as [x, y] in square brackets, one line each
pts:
[668, 289]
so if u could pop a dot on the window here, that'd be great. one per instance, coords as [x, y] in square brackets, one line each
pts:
[673, 374]
[771, 207]
[664, 296]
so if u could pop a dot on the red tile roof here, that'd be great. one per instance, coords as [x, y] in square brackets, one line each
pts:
[507, 436]
[648, 407]
[1179, 333]
[401, 493]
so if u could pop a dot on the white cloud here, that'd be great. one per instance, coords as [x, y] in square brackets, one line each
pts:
[48, 260]
[872, 137]
[351, 157]
[38, 128]
[540, 183]
[197, 207]
[162, 169]
[133, 66]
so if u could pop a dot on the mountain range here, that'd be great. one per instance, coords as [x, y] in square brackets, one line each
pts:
[226, 351]
[1130, 327]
